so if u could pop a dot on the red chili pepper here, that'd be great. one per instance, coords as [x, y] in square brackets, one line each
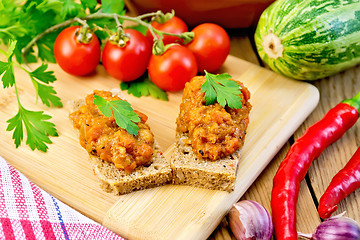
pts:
[346, 181]
[293, 168]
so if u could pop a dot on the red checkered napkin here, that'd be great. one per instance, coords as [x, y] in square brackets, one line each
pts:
[28, 212]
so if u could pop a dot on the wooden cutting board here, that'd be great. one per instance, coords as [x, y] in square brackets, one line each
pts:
[280, 105]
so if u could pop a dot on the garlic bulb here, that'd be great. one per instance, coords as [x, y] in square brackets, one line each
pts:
[249, 220]
[335, 228]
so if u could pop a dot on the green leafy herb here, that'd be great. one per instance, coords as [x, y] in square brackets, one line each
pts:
[112, 6]
[7, 68]
[124, 115]
[8, 78]
[144, 87]
[221, 89]
[37, 128]
[46, 93]
[90, 4]
[70, 9]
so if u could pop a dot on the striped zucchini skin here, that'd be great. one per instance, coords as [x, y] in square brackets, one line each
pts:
[313, 38]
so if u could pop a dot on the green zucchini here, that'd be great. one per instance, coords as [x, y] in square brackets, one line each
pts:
[309, 39]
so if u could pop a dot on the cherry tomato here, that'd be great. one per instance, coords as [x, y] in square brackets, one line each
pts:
[173, 25]
[130, 62]
[75, 57]
[211, 46]
[171, 70]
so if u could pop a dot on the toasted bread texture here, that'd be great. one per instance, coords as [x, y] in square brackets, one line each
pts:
[118, 181]
[189, 169]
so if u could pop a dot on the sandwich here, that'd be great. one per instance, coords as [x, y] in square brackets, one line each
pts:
[209, 136]
[122, 160]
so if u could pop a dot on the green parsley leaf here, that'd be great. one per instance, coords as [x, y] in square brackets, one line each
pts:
[46, 93]
[41, 74]
[91, 4]
[46, 49]
[38, 129]
[113, 6]
[12, 46]
[124, 115]
[7, 68]
[70, 9]
[221, 89]
[144, 87]
[8, 78]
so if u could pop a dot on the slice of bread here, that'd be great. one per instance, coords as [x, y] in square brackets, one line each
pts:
[118, 181]
[210, 171]
[188, 169]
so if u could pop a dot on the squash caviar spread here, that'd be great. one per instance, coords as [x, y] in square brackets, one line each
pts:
[102, 137]
[214, 131]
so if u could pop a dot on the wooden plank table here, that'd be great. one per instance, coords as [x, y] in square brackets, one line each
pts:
[332, 91]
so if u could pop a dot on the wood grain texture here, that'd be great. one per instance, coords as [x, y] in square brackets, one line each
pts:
[333, 90]
[242, 45]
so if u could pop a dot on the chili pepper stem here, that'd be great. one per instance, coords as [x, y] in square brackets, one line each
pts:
[354, 101]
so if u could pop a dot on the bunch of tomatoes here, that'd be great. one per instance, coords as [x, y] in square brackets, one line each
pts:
[128, 61]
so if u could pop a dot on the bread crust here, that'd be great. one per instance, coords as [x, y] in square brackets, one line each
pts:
[117, 181]
[190, 170]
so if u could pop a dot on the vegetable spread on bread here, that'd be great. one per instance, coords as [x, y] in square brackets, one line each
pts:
[100, 134]
[215, 114]
[211, 129]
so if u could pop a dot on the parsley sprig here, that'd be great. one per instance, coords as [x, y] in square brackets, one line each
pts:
[36, 124]
[124, 115]
[219, 88]
[144, 87]
[20, 23]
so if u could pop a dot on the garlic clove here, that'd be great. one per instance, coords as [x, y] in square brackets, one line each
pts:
[249, 220]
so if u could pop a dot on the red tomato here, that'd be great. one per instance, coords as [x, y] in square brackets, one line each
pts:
[74, 57]
[211, 46]
[171, 70]
[174, 25]
[130, 62]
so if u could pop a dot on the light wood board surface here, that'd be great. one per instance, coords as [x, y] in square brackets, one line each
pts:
[280, 105]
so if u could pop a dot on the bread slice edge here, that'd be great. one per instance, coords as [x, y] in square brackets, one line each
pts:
[188, 169]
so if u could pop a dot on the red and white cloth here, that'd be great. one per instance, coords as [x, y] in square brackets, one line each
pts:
[28, 212]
